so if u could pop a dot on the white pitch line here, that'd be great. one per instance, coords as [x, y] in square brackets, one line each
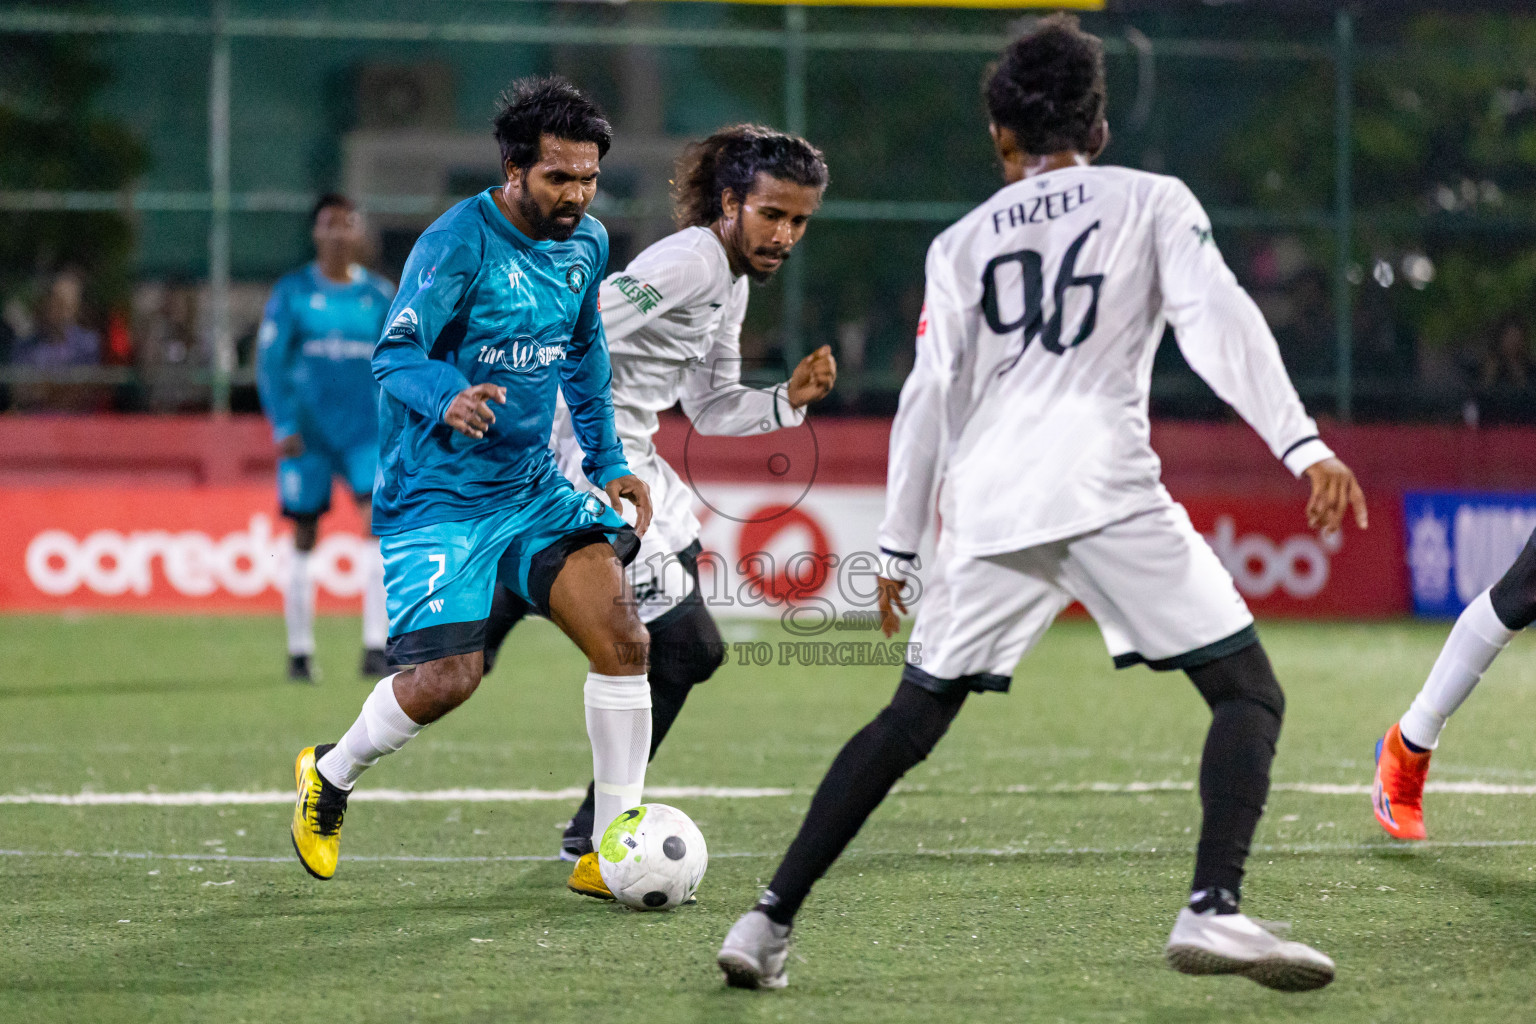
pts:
[1017, 853]
[1315, 788]
[211, 798]
[214, 798]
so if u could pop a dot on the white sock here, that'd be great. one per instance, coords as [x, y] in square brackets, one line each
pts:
[1475, 640]
[375, 613]
[619, 726]
[382, 728]
[299, 606]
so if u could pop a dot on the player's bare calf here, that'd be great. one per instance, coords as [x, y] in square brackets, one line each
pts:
[428, 692]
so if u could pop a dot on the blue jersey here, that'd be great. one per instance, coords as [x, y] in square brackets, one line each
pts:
[312, 357]
[480, 302]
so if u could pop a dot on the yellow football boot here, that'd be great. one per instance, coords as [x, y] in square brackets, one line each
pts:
[587, 879]
[317, 814]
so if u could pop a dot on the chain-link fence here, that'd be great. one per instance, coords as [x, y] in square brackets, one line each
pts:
[1371, 176]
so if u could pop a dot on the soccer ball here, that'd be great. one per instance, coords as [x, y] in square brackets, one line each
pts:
[652, 857]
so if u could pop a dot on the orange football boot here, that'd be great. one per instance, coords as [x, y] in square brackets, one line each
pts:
[1397, 795]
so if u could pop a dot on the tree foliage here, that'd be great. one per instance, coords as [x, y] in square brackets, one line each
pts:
[53, 138]
[1444, 133]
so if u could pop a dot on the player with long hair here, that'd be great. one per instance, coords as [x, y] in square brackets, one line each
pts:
[673, 319]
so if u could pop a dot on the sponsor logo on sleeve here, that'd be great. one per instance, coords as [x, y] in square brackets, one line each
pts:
[404, 326]
[643, 297]
[425, 278]
[1202, 233]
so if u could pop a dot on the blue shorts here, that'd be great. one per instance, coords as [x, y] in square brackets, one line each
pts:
[304, 482]
[439, 578]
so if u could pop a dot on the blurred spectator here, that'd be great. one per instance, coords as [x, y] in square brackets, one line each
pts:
[7, 341]
[59, 342]
[172, 346]
[1499, 375]
[1507, 362]
[60, 339]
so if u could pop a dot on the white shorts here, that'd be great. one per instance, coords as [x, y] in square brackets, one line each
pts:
[663, 574]
[661, 579]
[1153, 585]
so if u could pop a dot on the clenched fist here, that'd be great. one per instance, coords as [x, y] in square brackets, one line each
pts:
[813, 378]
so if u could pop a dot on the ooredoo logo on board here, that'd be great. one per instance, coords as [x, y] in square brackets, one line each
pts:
[225, 549]
[193, 564]
[171, 549]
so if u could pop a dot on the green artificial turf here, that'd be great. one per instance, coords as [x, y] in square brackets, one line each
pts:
[961, 900]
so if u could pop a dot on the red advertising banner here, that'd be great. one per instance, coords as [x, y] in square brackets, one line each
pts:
[200, 549]
[1284, 569]
[180, 549]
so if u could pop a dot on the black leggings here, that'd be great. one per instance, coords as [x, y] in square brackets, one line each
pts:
[1247, 707]
[860, 777]
[1246, 710]
[1514, 596]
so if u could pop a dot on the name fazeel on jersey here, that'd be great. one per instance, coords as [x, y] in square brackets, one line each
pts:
[1028, 401]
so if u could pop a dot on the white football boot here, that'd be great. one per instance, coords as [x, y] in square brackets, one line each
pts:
[1213, 943]
[754, 952]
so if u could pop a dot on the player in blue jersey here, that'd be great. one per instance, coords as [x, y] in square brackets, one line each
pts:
[316, 383]
[498, 307]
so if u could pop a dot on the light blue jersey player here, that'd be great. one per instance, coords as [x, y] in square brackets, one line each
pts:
[316, 382]
[498, 305]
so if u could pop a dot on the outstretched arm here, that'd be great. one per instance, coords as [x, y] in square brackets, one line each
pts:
[719, 404]
[1226, 341]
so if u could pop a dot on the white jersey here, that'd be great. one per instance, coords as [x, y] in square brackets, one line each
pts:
[673, 319]
[1024, 420]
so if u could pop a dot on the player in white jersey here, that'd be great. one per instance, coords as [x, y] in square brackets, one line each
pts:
[673, 319]
[1023, 431]
[1483, 629]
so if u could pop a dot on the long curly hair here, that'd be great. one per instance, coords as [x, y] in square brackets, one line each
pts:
[730, 161]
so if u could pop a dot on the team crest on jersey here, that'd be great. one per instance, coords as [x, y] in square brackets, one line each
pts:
[576, 277]
[404, 326]
[521, 355]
